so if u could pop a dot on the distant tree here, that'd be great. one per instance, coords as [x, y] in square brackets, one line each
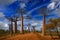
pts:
[28, 18]
[29, 27]
[10, 25]
[33, 28]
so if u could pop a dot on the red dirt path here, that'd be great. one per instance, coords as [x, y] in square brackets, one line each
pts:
[29, 36]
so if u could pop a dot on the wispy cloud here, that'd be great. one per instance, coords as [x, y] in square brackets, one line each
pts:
[55, 0]
[36, 8]
[25, 1]
[57, 12]
[3, 21]
[1, 14]
[6, 2]
[37, 23]
[55, 6]
[3, 25]
[51, 5]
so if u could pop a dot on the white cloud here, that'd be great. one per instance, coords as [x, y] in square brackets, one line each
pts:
[18, 22]
[22, 5]
[51, 5]
[55, 0]
[6, 25]
[55, 5]
[3, 22]
[1, 14]
[33, 24]
[57, 12]
[3, 25]
[36, 23]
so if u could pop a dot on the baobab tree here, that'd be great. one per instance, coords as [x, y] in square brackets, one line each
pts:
[28, 18]
[10, 24]
[33, 28]
[21, 11]
[15, 19]
[43, 12]
[29, 27]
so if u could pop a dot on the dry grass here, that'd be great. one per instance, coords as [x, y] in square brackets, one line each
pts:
[29, 36]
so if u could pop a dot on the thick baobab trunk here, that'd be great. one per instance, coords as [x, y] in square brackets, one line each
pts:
[43, 29]
[15, 26]
[11, 28]
[33, 28]
[21, 28]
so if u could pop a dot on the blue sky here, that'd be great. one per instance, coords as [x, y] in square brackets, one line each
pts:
[8, 8]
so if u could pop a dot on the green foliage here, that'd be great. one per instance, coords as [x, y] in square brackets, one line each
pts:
[38, 31]
[3, 32]
[53, 23]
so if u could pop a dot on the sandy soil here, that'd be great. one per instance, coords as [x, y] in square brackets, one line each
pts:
[28, 36]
